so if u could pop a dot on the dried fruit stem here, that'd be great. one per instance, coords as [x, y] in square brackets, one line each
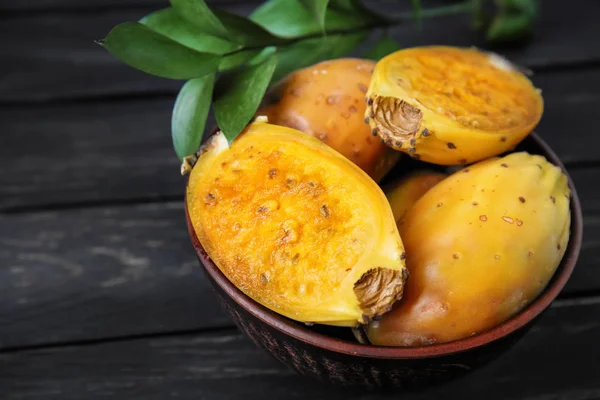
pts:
[378, 289]
[395, 120]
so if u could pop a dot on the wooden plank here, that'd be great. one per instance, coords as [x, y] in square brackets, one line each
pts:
[88, 152]
[70, 65]
[74, 275]
[571, 98]
[555, 360]
[586, 183]
[84, 274]
[121, 150]
[45, 5]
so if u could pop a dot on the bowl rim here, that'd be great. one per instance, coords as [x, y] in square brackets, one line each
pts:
[302, 333]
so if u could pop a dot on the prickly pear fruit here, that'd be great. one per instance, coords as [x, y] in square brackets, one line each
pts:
[404, 193]
[481, 245]
[296, 226]
[449, 106]
[326, 101]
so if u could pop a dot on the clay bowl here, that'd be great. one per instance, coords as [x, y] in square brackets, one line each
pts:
[333, 355]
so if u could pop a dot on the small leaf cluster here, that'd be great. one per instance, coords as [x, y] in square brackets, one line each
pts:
[508, 20]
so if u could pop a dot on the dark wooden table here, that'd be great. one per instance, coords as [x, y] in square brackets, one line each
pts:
[101, 295]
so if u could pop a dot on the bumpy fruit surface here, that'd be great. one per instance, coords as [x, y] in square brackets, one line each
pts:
[449, 105]
[480, 245]
[404, 193]
[326, 101]
[296, 226]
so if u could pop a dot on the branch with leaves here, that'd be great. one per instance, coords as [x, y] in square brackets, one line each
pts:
[192, 42]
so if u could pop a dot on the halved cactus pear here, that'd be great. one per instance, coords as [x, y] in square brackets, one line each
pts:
[449, 106]
[326, 100]
[404, 193]
[296, 226]
[481, 245]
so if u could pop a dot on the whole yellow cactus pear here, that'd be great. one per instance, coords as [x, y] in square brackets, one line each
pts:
[449, 106]
[326, 100]
[481, 245]
[296, 226]
[404, 193]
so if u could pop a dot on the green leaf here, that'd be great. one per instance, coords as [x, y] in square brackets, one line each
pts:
[307, 52]
[291, 19]
[190, 113]
[264, 54]
[169, 23]
[250, 57]
[198, 13]
[240, 95]
[341, 45]
[245, 31]
[300, 55]
[509, 27]
[285, 18]
[522, 7]
[344, 5]
[140, 47]
[317, 9]
[382, 48]
[515, 20]
[238, 58]
[357, 9]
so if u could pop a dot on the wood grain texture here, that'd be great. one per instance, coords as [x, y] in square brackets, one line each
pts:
[70, 5]
[78, 275]
[97, 273]
[121, 150]
[555, 360]
[88, 152]
[52, 55]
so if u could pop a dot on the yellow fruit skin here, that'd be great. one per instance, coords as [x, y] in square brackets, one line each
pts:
[296, 226]
[403, 194]
[326, 101]
[450, 106]
[481, 245]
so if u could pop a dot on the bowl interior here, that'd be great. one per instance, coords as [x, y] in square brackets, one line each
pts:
[340, 339]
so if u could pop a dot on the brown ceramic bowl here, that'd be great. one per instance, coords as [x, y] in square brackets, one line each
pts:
[332, 354]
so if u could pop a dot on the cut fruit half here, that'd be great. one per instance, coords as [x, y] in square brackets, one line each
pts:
[449, 105]
[296, 226]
